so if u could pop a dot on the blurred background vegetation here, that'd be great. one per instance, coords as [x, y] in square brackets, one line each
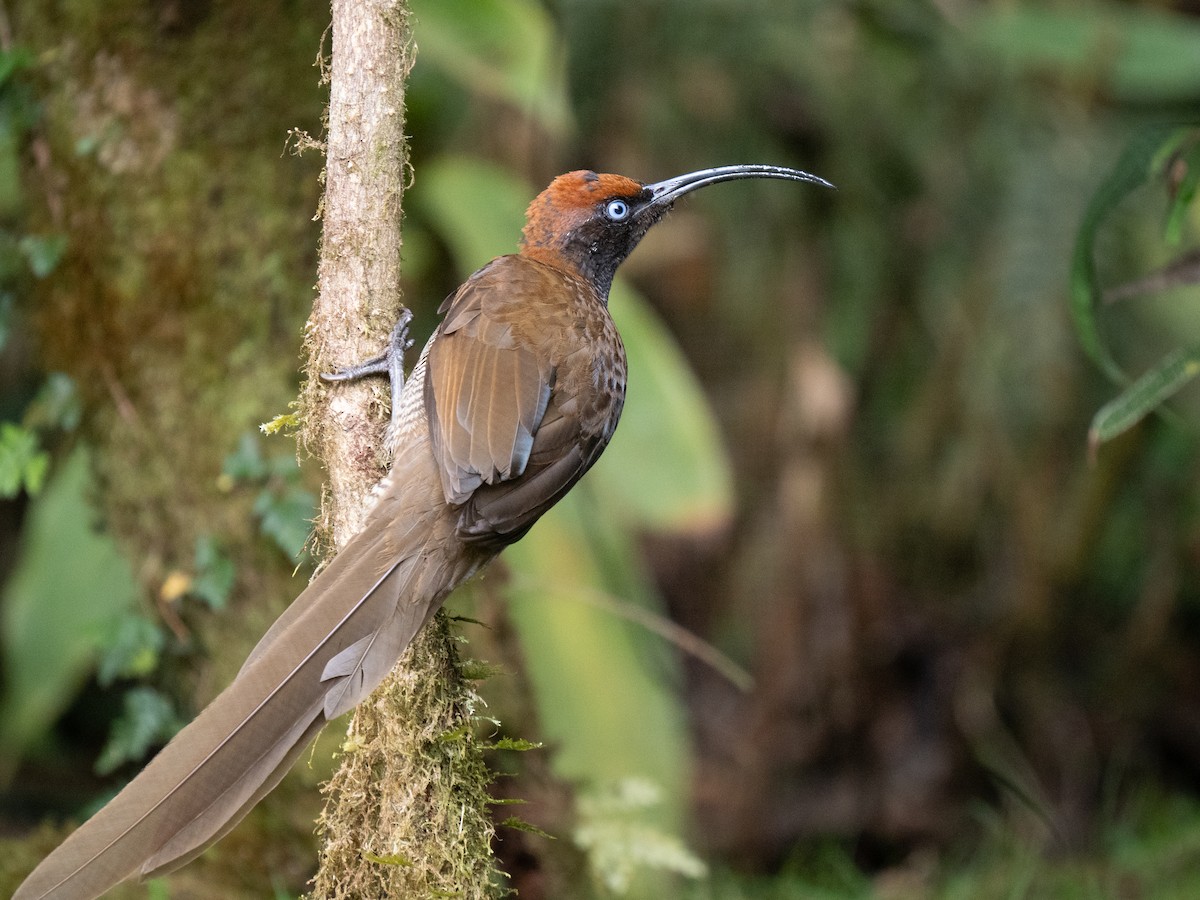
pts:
[848, 609]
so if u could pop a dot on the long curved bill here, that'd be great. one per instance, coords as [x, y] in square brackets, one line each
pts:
[665, 192]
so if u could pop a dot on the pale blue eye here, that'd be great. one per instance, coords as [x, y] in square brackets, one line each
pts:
[617, 210]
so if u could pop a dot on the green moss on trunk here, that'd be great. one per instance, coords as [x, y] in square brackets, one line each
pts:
[427, 833]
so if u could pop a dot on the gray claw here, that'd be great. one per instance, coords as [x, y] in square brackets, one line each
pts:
[390, 363]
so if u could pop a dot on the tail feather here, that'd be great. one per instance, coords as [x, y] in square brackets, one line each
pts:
[360, 667]
[161, 865]
[211, 774]
[214, 821]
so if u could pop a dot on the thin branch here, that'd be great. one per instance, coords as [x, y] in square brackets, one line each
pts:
[687, 641]
[1180, 272]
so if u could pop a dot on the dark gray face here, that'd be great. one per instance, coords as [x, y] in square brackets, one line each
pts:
[601, 242]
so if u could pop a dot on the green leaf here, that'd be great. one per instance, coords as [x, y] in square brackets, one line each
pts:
[57, 616]
[1133, 168]
[519, 744]
[147, 720]
[1145, 395]
[285, 511]
[56, 404]
[1185, 192]
[23, 463]
[478, 209]
[286, 518]
[667, 468]
[132, 652]
[35, 473]
[13, 61]
[246, 463]
[601, 684]
[620, 841]
[215, 572]
[522, 825]
[503, 49]
[43, 253]
[454, 735]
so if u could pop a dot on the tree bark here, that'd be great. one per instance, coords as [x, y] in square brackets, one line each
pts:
[359, 272]
[406, 812]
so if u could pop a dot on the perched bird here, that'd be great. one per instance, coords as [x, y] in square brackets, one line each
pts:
[514, 397]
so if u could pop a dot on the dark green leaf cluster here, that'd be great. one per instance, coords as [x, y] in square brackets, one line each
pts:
[284, 508]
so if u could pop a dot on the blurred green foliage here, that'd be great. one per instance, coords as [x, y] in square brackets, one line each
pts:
[1168, 156]
[23, 463]
[133, 652]
[148, 720]
[854, 454]
[58, 617]
[505, 50]
[619, 842]
[285, 510]
[215, 572]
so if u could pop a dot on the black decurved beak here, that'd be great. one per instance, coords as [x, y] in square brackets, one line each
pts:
[663, 193]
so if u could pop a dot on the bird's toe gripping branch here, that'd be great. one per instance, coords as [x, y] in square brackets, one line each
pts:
[389, 363]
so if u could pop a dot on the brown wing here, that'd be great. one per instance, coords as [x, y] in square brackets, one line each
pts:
[501, 513]
[509, 446]
[488, 396]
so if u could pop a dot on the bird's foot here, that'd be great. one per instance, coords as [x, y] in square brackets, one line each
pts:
[389, 363]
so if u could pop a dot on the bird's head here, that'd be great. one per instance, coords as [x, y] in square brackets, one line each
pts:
[592, 222]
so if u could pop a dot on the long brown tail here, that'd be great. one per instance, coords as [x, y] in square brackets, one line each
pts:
[325, 654]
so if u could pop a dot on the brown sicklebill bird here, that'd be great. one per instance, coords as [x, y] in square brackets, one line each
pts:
[513, 399]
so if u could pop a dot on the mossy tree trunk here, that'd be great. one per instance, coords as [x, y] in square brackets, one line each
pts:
[175, 309]
[406, 812]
